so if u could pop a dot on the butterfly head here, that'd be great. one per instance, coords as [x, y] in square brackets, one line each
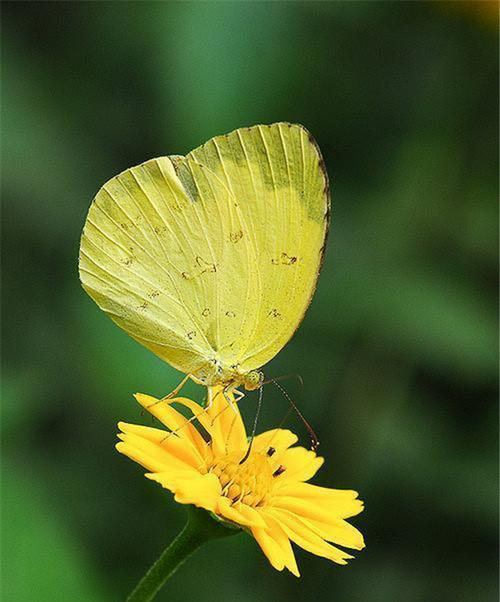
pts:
[253, 380]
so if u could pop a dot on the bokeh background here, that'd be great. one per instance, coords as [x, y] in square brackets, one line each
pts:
[398, 351]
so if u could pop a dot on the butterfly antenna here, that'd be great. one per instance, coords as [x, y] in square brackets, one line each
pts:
[285, 377]
[254, 427]
[310, 430]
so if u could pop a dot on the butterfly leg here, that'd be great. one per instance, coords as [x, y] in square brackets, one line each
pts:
[238, 395]
[230, 402]
[210, 399]
[193, 417]
[174, 392]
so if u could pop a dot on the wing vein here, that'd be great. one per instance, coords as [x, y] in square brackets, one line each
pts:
[162, 268]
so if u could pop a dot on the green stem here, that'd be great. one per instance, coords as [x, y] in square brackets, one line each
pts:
[200, 528]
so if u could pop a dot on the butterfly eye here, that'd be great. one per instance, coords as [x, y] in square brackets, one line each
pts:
[253, 380]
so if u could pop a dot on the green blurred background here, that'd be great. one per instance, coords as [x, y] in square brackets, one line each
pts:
[398, 350]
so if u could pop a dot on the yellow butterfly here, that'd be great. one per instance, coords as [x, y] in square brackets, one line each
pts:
[210, 260]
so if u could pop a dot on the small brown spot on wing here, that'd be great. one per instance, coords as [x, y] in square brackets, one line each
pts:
[230, 314]
[202, 267]
[205, 312]
[274, 313]
[205, 266]
[284, 259]
[234, 237]
[288, 259]
[190, 335]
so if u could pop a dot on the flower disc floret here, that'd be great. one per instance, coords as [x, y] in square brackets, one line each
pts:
[248, 481]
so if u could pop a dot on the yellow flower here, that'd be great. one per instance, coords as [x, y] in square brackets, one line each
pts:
[266, 494]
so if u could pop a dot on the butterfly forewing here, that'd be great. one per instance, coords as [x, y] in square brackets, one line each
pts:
[277, 177]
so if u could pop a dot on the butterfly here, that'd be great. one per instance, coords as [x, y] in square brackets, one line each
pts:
[210, 260]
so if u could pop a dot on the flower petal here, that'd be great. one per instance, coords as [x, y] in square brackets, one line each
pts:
[279, 536]
[278, 439]
[342, 503]
[307, 509]
[270, 547]
[225, 415]
[240, 514]
[301, 464]
[323, 522]
[172, 479]
[337, 531]
[148, 455]
[165, 442]
[201, 490]
[304, 537]
[172, 419]
[203, 417]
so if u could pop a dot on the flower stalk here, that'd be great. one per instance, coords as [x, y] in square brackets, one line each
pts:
[199, 529]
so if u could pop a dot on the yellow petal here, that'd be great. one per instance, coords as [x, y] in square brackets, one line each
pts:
[324, 522]
[226, 416]
[151, 452]
[150, 460]
[270, 547]
[172, 479]
[304, 537]
[201, 490]
[240, 514]
[307, 508]
[166, 442]
[172, 419]
[337, 531]
[278, 439]
[204, 418]
[343, 501]
[280, 537]
[301, 464]
[234, 431]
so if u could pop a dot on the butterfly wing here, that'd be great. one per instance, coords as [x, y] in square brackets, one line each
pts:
[140, 251]
[276, 175]
[211, 257]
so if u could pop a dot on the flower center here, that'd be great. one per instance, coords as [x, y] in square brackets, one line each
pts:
[249, 482]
